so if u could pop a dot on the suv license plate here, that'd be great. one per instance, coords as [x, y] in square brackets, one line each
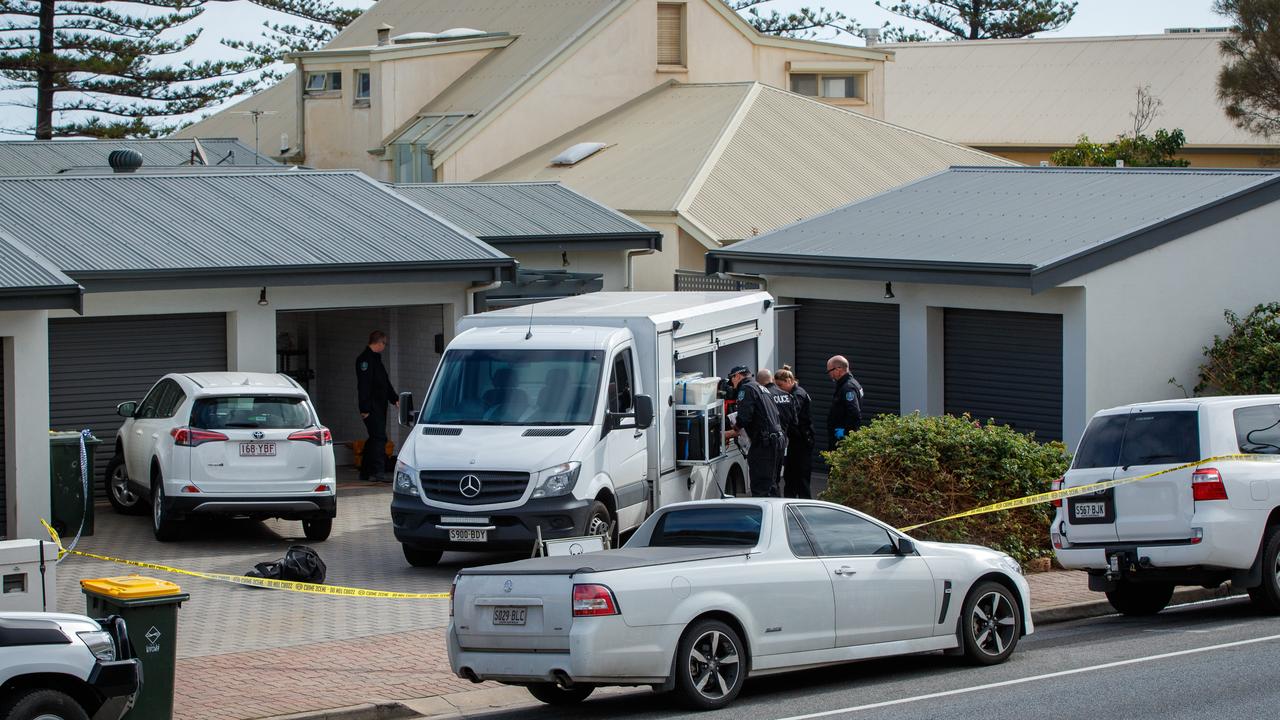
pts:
[469, 536]
[1083, 510]
[257, 449]
[510, 615]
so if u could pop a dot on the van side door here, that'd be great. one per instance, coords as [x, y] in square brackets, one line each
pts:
[626, 448]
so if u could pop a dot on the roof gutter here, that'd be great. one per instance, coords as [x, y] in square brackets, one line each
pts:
[60, 297]
[778, 265]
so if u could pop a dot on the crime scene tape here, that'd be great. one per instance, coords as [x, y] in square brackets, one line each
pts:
[287, 585]
[1044, 497]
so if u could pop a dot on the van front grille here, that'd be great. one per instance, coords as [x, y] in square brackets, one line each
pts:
[474, 488]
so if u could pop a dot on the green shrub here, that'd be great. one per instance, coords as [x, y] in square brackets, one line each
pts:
[1247, 360]
[913, 469]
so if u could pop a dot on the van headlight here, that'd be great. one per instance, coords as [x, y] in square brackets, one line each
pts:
[100, 643]
[404, 482]
[558, 480]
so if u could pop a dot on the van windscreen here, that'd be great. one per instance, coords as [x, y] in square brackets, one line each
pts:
[515, 387]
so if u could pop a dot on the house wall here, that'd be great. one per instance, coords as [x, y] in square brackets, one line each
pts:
[657, 271]
[26, 413]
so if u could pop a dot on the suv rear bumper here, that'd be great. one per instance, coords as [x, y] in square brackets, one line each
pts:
[421, 525]
[288, 507]
[1229, 541]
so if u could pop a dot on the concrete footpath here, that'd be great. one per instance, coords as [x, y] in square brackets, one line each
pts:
[406, 674]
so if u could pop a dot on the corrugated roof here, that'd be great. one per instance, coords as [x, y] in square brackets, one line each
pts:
[1049, 91]
[217, 222]
[279, 105]
[50, 157]
[1003, 219]
[21, 268]
[496, 211]
[739, 159]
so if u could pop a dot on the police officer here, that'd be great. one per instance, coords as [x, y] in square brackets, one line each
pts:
[799, 464]
[758, 418]
[375, 393]
[786, 415]
[845, 415]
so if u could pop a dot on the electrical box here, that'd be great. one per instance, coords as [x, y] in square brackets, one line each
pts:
[699, 433]
[27, 581]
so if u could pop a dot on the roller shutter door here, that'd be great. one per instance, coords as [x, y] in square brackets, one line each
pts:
[98, 363]
[1006, 366]
[867, 334]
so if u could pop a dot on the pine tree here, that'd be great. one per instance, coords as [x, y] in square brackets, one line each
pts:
[803, 23]
[1249, 81]
[979, 19]
[319, 22]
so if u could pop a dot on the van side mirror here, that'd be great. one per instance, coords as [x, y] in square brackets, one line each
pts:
[906, 546]
[644, 412]
[408, 415]
[127, 409]
[641, 416]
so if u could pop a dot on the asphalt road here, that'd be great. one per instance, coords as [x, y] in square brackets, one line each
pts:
[1208, 660]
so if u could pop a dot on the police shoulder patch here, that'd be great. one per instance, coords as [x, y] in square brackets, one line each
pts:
[741, 394]
[849, 396]
[364, 364]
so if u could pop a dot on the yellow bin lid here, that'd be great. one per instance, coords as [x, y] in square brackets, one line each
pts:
[130, 587]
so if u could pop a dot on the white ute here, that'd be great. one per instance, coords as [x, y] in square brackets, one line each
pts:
[709, 593]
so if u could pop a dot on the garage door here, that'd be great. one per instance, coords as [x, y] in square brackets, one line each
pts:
[98, 363]
[867, 334]
[1006, 366]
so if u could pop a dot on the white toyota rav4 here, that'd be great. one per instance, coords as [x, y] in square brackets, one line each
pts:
[1216, 520]
[232, 443]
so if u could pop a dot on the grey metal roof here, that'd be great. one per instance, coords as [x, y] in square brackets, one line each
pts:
[30, 281]
[1019, 227]
[290, 227]
[529, 213]
[50, 157]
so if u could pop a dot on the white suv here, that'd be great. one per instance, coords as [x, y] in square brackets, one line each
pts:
[1202, 525]
[233, 443]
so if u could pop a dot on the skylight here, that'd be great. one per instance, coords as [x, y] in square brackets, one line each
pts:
[577, 153]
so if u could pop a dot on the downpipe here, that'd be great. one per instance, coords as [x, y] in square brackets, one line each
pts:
[471, 294]
[629, 257]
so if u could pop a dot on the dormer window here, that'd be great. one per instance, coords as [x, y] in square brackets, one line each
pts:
[671, 34]
[324, 83]
[830, 86]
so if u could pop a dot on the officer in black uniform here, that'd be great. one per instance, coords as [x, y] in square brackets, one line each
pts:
[799, 465]
[758, 418]
[845, 415]
[786, 415]
[375, 393]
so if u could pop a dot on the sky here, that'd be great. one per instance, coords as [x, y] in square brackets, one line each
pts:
[1093, 17]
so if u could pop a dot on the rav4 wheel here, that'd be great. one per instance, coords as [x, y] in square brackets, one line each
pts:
[42, 704]
[1267, 595]
[421, 557]
[710, 665]
[163, 522]
[122, 497]
[1140, 599]
[553, 694]
[317, 530]
[990, 626]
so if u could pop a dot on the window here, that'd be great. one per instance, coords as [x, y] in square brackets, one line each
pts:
[700, 527]
[515, 387]
[840, 533]
[324, 82]
[837, 87]
[411, 150]
[1258, 429]
[1140, 438]
[1100, 447]
[149, 408]
[171, 401]
[260, 412]
[796, 538]
[671, 34]
[621, 391]
[363, 85]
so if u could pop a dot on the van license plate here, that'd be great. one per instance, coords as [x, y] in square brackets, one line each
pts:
[469, 536]
[258, 449]
[510, 615]
[1083, 510]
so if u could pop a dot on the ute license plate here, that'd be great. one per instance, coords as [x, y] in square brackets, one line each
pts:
[1089, 510]
[510, 615]
[469, 535]
[257, 449]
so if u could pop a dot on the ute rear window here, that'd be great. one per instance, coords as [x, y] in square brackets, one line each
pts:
[257, 412]
[1140, 438]
[698, 527]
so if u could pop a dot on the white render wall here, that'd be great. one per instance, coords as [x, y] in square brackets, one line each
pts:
[26, 434]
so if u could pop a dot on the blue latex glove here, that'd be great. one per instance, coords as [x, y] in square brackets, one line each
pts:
[839, 433]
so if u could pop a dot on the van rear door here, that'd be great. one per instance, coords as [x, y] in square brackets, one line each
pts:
[1158, 508]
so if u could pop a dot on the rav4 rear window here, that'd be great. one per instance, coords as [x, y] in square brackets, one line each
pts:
[1258, 429]
[697, 527]
[255, 412]
[1140, 438]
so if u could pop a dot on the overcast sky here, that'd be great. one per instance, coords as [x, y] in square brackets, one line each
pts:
[1093, 17]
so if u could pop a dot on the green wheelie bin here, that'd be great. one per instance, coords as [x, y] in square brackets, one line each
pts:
[66, 486]
[150, 609]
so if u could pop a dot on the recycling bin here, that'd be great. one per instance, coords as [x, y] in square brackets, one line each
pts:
[66, 487]
[150, 609]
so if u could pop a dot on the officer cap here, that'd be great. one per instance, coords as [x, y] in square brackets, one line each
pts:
[740, 369]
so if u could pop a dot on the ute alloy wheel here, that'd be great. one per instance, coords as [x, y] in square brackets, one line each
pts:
[990, 624]
[123, 499]
[42, 704]
[710, 665]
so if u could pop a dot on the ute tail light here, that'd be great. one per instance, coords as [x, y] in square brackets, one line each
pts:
[593, 601]
[1206, 484]
[1057, 485]
[316, 436]
[191, 437]
[453, 592]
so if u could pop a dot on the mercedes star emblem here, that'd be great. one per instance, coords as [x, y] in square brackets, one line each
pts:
[469, 486]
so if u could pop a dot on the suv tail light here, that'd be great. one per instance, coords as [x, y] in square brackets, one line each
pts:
[191, 437]
[593, 601]
[1206, 484]
[315, 436]
[453, 592]
[1057, 485]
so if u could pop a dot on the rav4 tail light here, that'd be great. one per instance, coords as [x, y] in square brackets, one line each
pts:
[1206, 484]
[315, 436]
[1057, 485]
[191, 437]
[593, 601]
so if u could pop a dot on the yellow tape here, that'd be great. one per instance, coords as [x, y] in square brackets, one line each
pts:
[1082, 490]
[288, 585]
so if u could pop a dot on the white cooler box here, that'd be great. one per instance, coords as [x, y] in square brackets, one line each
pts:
[22, 588]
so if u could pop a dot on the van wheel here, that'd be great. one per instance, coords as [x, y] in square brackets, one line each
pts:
[553, 694]
[42, 704]
[123, 499]
[1140, 599]
[163, 522]
[1267, 595]
[599, 520]
[990, 626]
[420, 557]
[711, 665]
[317, 530]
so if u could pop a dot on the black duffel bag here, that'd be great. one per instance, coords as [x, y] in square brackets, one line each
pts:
[299, 564]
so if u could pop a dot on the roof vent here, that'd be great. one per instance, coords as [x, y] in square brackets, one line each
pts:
[384, 34]
[578, 153]
[124, 161]
[872, 36]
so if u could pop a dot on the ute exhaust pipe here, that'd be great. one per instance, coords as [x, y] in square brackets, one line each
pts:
[562, 679]
[470, 674]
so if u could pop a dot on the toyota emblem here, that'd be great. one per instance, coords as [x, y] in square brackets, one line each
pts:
[469, 486]
[258, 435]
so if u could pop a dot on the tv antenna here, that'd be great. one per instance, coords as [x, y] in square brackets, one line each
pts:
[257, 117]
